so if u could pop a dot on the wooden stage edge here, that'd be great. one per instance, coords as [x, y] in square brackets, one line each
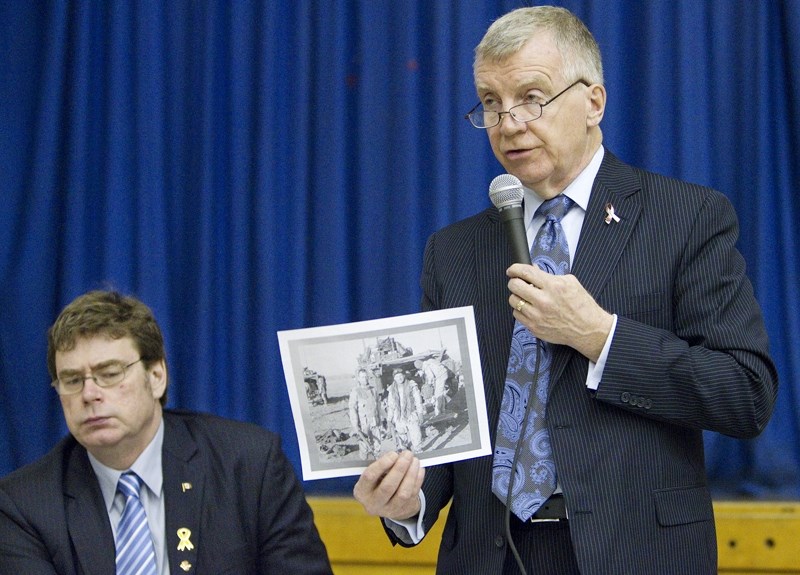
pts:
[753, 538]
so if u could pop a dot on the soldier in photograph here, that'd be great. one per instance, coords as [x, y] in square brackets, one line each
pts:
[364, 411]
[405, 411]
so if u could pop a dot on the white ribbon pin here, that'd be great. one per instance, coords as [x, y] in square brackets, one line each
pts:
[610, 215]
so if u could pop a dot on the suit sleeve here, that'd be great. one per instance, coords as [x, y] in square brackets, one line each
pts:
[438, 482]
[289, 541]
[710, 369]
[21, 548]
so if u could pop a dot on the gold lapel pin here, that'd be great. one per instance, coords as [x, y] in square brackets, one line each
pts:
[610, 215]
[185, 565]
[184, 544]
[186, 487]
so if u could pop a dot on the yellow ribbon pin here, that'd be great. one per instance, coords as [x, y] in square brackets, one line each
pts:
[184, 544]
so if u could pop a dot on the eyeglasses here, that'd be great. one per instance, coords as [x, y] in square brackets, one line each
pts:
[107, 376]
[524, 113]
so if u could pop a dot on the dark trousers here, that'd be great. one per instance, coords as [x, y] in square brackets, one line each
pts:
[545, 549]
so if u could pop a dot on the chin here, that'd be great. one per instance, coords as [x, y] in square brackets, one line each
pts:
[101, 439]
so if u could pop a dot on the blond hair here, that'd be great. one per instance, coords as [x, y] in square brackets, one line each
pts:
[578, 48]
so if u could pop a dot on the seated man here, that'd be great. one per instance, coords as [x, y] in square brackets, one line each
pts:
[138, 489]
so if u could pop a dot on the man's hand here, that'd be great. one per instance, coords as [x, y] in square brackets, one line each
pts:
[390, 486]
[558, 309]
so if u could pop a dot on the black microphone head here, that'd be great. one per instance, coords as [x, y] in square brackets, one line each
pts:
[506, 191]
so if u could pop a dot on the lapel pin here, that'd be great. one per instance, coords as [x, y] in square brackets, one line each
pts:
[184, 544]
[610, 215]
[186, 487]
[185, 565]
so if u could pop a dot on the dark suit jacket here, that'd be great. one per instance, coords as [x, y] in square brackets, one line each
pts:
[245, 508]
[689, 353]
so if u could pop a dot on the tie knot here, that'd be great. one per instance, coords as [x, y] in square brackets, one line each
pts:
[129, 484]
[555, 208]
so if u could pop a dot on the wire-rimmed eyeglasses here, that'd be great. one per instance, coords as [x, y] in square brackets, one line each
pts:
[108, 375]
[527, 112]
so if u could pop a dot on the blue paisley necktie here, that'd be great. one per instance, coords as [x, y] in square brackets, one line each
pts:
[535, 474]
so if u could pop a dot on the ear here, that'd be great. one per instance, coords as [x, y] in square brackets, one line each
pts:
[158, 378]
[596, 105]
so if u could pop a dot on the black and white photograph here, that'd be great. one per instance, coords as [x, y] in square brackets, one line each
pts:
[361, 389]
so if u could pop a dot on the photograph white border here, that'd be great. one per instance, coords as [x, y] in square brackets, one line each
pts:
[300, 347]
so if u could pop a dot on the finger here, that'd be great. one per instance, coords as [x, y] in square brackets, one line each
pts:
[392, 479]
[518, 303]
[535, 276]
[373, 474]
[381, 466]
[517, 270]
[409, 486]
[406, 502]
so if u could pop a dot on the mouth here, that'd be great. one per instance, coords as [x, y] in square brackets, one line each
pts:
[516, 153]
[95, 421]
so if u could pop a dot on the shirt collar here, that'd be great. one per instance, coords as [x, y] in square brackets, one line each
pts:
[147, 466]
[578, 190]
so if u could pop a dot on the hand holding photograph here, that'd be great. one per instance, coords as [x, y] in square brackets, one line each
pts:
[359, 390]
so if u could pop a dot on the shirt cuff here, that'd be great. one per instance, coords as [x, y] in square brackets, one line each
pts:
[409, 531]
[596, 369]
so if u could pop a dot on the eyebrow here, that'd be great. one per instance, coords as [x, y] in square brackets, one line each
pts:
[95, 367]
[531, 84]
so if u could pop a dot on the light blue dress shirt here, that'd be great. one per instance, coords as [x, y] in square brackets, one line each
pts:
[148, 467]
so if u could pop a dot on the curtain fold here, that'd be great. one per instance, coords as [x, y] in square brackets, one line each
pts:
[248, 167]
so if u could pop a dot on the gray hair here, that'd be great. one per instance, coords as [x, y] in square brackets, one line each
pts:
[578, 48]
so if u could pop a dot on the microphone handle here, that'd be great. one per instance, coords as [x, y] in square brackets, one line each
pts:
[512, 218]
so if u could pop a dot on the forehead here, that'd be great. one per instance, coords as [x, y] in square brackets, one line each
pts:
[537, 62]
[90, 351]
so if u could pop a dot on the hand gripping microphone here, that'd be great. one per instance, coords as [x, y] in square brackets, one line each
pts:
[506, 194]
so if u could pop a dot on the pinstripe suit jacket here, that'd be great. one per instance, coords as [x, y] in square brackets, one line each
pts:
[689, 353]
[244, 507]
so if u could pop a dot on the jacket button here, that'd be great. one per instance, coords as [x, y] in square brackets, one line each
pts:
[626, 397]
[639, 402]
[499, 541]
[648, 403]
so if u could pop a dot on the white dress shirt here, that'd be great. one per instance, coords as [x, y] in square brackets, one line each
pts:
[578, 191]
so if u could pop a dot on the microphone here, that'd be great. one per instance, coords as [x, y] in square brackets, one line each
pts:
[506, 194]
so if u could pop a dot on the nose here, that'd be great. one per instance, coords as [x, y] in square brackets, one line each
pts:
[508, 125]
[91, 390]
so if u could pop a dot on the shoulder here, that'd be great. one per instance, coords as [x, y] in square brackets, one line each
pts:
[223, 448]
[43, 477]
[467, 227]
[660, 191]
[455, 245]
[211, 430]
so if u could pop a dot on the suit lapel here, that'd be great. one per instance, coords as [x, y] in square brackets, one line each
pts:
[183, 496]
[492, 259]
[87, 517]
[601, 245]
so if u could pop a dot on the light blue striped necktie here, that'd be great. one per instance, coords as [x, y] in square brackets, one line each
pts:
[136, 554]
[534, 478]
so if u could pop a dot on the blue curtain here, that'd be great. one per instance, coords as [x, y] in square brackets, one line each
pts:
[247, 167]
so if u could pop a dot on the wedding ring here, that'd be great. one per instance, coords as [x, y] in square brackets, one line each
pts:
[520, 304]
